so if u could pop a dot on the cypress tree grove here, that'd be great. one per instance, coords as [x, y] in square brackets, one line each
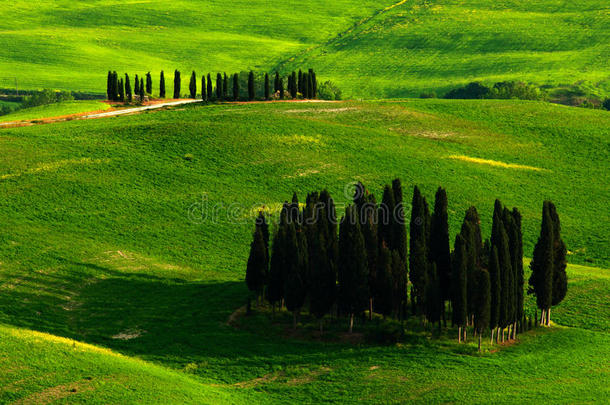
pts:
[482, 303]
[560, 278]
[162, 85]
[193, 85]
[251, 93]
[128, 88]
[353, 272]
[210, 89]
[296, 270]
[177, 84]
[495, 288]
[439, 244]
[418, 261]
[256, 271]
[148, 83]
[235, 87]
[219, 86]
[459, 290]
[204, 93]
[281, 89]
[225, 86]
[266, 86]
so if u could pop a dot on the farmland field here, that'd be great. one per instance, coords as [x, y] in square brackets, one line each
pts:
[99, 246]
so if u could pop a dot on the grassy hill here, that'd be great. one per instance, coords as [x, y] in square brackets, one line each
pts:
[103, 242]
[371, 49]
[54, 110]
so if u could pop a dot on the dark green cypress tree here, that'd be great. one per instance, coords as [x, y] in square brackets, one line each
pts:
[300, 82]
[353, 271]
[433, 296]
[235, 87]
[399, 230]
[137, 86]
[121, 90]
[218, 86]
[115, 85]
[296, 268]
[210, 88]
[276, 83]
[267, 86]
[385, 220]
[518, 265]
[261, 223]
[513, 248]
[468, 234]
[496, 285]
[329, 214]
[399, 283]
[418, 246]
[193, 85]
[310, 85]
[366, 205]
[439, 243]
[542, 265]
[251, 93]
[275, 287]
[109, 86]
[204, 93]
[148, 83]
[323, 278]
[225, 86]
[128, 89]
[281, 89]
[142, 94]
[472, 216]
[383, 282]
[314, 81]
[560, 278]
[483, 303]
[256, 271]
[162, 85]
[459, 302]
[177, 84]
[505, 285]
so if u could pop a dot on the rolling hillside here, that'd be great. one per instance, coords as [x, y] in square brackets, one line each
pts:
[103, 242]
[371, 49]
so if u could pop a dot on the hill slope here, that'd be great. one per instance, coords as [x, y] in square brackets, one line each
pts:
[103, 242]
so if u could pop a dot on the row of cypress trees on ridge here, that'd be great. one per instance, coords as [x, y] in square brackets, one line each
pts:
[221, 88]
[365, 265]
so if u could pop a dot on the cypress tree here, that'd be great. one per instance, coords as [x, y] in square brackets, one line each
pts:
[439, 243]
[323, 277]
[483, 303]
[433, 296]
[148, 83]
[310, 85]
[560, 278]
[204, 93]
[366, 206]
[256, 271]
[513, 248]
[109, 86]
[142, 94]
[293, 92]
[505, 280]
[384, 284]
[399, 230]
[399, 283]
[276, 83]
[225, 86]
[128, 88]
[300, 82]
[193, 85]
[219, 86]
[266, 86]
[137, 86]
[235, 87]
[467, 233]
[281, 89]
[518, 265]
[210, 89]
[472, 216]
[162, 85]
[459, 290]
[353, 272]
[177, 84]
[121, 90]
[329, 214]
[296, 269]
[385, 218]
[418, 261]
[314, 80]
[261, 223]
[275, 287]
[251, 93]
[495, 288]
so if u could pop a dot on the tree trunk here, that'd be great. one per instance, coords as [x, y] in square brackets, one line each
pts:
[491, 342]
[464, 334]
[515, 331]
[459, 334]
[548, 316]
[351, 322]
[371, 309]
[480, 342]
[542, 317]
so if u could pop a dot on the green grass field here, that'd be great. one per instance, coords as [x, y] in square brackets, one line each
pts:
[54, 110]
[100, 244]
[371, 49]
